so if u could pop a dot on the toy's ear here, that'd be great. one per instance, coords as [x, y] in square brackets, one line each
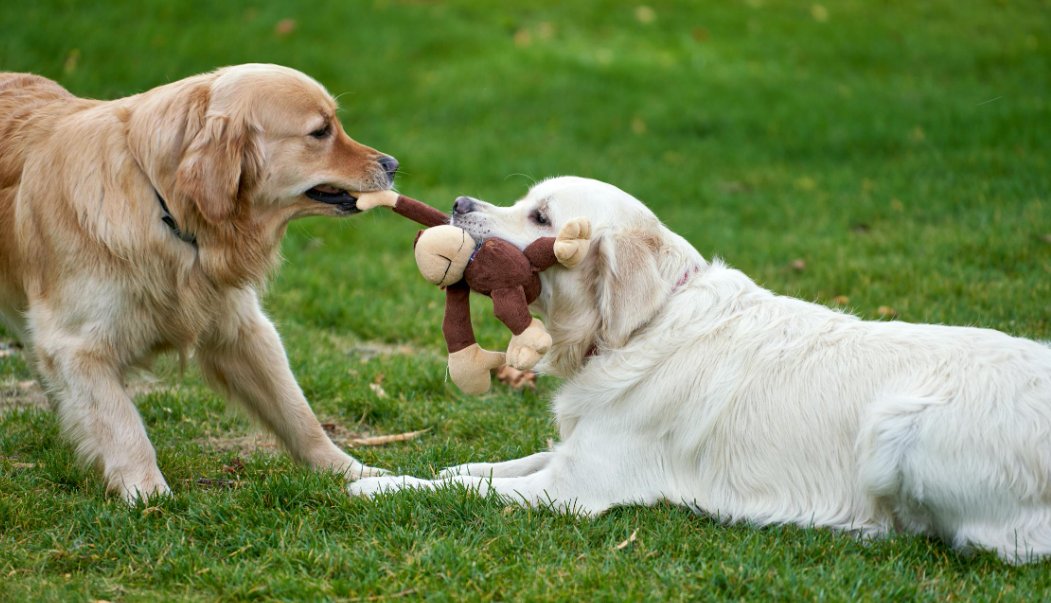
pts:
[442, 254]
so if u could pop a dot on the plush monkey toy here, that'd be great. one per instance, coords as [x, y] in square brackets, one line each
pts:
[447, 256]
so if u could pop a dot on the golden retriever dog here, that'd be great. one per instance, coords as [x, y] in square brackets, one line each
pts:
[687, 382]
[146, 224]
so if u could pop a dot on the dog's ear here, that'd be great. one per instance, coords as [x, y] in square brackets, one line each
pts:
[221, 160]
[629, 280]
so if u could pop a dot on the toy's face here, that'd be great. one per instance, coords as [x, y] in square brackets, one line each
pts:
[543, 211]
[442, 254]
[597, 301]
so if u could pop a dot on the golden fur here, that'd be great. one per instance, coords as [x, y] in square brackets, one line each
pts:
[94, 282]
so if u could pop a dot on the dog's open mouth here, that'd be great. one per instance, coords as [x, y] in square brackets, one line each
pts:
[326, 193]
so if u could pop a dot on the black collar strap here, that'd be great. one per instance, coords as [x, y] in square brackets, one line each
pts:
[169, 221]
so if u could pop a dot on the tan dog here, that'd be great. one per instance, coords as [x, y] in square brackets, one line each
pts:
[146, 224]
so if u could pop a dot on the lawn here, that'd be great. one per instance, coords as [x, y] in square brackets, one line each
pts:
[888, 156]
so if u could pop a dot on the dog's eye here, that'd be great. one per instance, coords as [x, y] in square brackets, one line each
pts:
[539, 217]
[322, 132]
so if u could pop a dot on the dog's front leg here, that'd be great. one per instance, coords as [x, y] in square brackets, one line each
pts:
[244, 359]
[583, 475]
[542, 488]
[513, 468]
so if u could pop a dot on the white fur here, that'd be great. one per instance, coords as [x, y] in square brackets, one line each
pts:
[715, 393]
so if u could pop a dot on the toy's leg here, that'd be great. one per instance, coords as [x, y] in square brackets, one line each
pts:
[456, 324]
[470, 368]
[469, 364]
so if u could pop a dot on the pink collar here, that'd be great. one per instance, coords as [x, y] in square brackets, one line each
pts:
[685, 277]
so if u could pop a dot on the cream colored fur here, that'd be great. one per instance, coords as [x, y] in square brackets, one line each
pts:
[687, 382]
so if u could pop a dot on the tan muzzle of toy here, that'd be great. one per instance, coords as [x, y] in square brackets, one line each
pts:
[442, 253]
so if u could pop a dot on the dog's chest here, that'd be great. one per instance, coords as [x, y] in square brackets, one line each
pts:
[167, 310]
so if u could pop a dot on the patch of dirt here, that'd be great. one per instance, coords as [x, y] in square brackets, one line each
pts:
[16, 394]
[244, 444]
[367, 350]
[16, 464]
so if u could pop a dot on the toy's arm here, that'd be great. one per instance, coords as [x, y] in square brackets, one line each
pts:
[405, 206]
[512, 309]
[531, 340]
[419, 212]
[568, 248]
[541, 253]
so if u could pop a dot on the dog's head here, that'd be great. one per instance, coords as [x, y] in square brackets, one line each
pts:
[633, 265]
[258, 141]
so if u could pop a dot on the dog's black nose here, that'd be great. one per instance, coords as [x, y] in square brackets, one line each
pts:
[463, 205]
[389, 165]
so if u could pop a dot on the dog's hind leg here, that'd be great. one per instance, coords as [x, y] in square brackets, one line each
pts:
[97, 414]
[1025, 540]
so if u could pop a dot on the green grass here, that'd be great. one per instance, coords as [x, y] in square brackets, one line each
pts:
[899, 149]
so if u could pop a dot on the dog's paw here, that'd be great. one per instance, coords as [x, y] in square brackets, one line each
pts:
[573, 242]
[147, 488]
[372, 486]
[360, 471]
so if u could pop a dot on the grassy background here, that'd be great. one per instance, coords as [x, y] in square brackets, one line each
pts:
[873, 154]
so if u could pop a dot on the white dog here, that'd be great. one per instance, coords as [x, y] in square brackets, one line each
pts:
[687, 382]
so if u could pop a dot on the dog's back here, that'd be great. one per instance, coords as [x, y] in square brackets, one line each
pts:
[23, 97]
[29, 104]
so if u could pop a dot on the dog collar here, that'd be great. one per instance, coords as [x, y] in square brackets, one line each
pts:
[477, 248]
[169, 221]
[685, 277]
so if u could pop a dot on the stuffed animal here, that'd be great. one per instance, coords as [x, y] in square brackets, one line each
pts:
[449, 257]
